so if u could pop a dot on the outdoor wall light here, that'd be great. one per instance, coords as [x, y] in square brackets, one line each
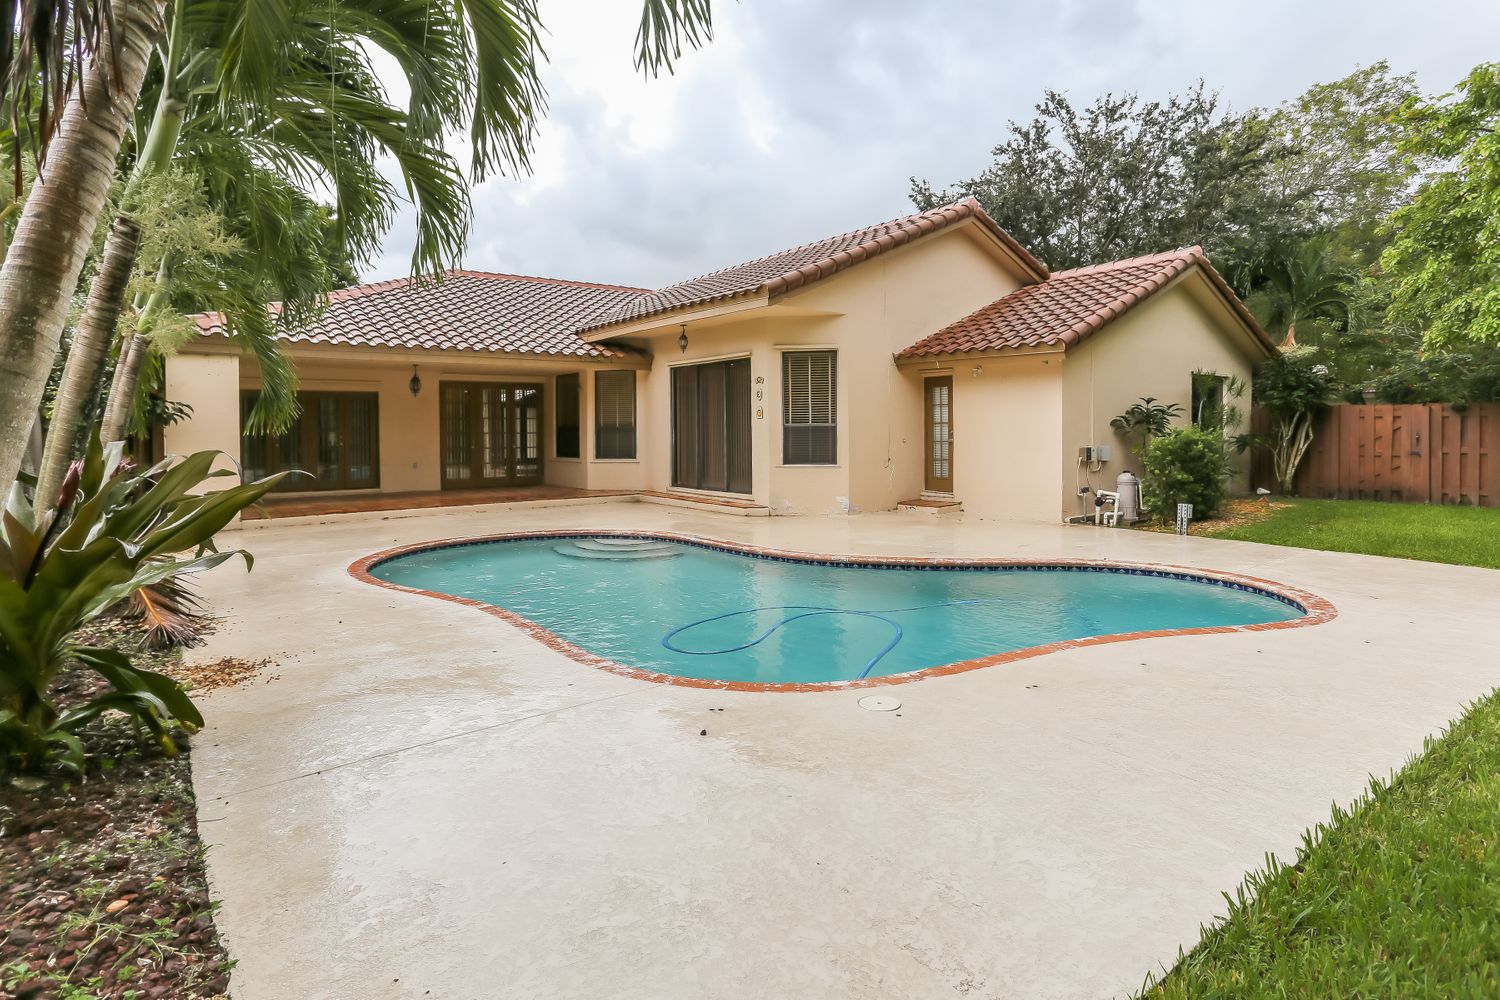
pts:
[682, 340]
[416, 381]
[975, 371]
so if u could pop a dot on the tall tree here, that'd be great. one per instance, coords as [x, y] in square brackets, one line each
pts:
[1444, 256]
[1123, 177]
[1343, 151]
[326, 120]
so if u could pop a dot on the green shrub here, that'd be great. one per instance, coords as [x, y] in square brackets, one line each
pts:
[115, 530]
[1186, 465]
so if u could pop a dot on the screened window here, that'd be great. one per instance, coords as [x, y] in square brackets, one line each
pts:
[809, 407]
[1208, 400]
[567, 422]
[614, 414]
[335, 440]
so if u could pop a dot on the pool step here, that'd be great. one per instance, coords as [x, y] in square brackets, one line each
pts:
[633, 544]
[617, 549]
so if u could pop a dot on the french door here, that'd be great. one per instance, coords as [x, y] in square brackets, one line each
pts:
[334, 444]
[491, 434]
[711, 426]
[937, 396]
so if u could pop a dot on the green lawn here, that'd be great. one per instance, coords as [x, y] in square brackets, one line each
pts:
[1467, 536]
[1399, 896]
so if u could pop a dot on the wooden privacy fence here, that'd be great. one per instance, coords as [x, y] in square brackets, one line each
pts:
[1419, 453]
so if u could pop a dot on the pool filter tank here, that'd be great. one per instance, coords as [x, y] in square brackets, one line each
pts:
[1129, 504]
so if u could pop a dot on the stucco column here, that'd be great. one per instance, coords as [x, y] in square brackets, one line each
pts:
[210, 384]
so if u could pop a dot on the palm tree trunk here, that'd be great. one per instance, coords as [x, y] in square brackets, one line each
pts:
[96, 330]
[106, 301]
[132, 357]
[127, 338]
[56, 227]
[122, 397]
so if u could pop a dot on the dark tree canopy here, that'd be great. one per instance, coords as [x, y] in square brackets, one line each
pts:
[1123, 176]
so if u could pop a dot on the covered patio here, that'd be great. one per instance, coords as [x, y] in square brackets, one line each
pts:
[472, 383]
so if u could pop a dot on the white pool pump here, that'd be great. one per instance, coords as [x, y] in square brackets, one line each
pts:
[1128, 489]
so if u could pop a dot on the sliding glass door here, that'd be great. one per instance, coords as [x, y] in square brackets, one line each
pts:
[711, 426]
[491, 434]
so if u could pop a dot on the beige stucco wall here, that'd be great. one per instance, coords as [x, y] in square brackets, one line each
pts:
[408, 425]
[1150, 351]
[866, 313]
[788, 490]
[210, 384]
[1006, 433]
[616, 473]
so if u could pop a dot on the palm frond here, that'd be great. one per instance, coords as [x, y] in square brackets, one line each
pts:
[43, 46]
[172, 613]
[666, 25]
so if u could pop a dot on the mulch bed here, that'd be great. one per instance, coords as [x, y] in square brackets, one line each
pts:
[103, 891]
[1235, 514]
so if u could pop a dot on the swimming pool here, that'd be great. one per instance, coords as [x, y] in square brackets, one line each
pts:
[695, 611]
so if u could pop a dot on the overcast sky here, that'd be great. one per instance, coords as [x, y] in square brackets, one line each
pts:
[804, 118]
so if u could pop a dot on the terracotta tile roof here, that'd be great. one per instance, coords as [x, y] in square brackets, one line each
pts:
[466, 310]
[1071, 306]
[789, 269]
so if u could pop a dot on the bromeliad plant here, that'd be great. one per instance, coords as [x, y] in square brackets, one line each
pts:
[116, 529]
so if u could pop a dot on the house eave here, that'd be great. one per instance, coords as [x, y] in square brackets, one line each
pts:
[219, 344]
[644, 326]
[955, 358]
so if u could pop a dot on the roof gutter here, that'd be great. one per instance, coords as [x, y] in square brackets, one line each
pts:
[951, 359]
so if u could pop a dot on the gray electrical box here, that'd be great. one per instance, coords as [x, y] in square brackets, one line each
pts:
[1092, 453]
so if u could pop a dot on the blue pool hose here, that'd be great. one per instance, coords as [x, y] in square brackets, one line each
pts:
[808, 611]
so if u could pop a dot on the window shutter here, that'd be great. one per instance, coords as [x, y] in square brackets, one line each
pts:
[566, 419]
[614, 411]
[809, 404]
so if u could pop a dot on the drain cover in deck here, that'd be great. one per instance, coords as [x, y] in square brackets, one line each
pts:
[879, 703]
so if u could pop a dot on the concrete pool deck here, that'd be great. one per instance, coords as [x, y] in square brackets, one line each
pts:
[428, 802]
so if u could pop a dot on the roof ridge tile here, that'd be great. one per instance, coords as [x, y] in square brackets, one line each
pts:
[463, 272]
[786, 270]
[1120, 265]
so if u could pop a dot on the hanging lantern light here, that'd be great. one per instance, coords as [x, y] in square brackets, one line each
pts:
[682, 340]
[416, 381]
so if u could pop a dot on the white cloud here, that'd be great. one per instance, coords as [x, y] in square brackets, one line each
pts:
[801, 119]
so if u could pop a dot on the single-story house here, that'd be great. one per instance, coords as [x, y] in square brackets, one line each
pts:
[930, 357]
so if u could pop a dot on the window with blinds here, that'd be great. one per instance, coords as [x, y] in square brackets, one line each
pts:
[614, 414]
[566, 420]
[809, 407]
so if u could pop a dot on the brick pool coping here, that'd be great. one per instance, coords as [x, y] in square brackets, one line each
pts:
[1316, 610]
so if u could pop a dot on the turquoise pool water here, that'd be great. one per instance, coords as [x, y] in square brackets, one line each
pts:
[727, 616]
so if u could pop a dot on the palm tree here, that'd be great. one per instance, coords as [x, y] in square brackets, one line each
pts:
[284, 248]
[293, 71]
[1300, 282]
[323, 119]
[77, 149]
